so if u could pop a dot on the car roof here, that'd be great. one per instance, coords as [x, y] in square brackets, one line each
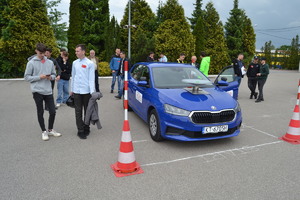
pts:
[164, 64]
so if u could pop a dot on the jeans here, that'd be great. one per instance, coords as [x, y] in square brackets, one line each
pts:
[97, 81]
[81, 101]
[261, 83]
[114, 77]
[121, 80]
[63, 91]
[238, 79]
[49, 101]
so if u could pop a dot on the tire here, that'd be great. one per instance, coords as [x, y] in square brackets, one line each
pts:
[154, 126]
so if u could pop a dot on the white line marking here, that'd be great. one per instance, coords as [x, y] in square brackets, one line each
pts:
[260, 131]
[213, 154]
[139, 141]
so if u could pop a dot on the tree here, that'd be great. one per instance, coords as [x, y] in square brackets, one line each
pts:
[267, 52]
[95, 23]
[293, 60]
[172, 10]
[173, 35]
[196, 14]
[173, 38]
[112, 39]
[215, 45]
[234, 31]
[159, 13]
[145, 22]
[27, 25]
[55, 16]
[199, 35]
[249, 39]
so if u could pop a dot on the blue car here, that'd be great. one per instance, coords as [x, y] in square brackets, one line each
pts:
[180, 103]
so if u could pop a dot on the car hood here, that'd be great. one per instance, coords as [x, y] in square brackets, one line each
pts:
[184, 99]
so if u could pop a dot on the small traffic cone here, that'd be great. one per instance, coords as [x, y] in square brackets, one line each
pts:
[293, 133]
[126, 164]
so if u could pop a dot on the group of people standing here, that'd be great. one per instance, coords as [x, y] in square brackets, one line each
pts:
[203, 66]
[41, 73]
[257, 73]
[117, 66]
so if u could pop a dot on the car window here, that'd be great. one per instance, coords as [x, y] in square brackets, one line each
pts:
[137, 72]
[171, 77]
[227, 73]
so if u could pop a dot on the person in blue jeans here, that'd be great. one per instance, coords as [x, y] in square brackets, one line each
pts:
[121, 74]
[114, 66]
[63, 83]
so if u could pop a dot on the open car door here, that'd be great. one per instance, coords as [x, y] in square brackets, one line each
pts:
[227, 74]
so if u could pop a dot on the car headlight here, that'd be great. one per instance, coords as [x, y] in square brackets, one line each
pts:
[176, 111]
[237, 108]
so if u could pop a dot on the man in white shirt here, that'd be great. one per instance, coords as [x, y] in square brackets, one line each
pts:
[83, 85]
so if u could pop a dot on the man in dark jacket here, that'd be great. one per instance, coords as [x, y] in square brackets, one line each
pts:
[121, 73]
[252, 71]
[238, 66]
[150, 58]
[262, 78]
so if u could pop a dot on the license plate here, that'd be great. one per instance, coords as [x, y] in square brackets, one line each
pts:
[215, 129]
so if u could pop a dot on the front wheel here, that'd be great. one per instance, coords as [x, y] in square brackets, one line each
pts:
[154, 126]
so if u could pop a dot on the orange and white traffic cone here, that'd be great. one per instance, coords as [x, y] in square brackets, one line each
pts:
[293, 133]
[126, 164]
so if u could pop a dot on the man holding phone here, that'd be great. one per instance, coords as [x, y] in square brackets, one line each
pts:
[39, 72]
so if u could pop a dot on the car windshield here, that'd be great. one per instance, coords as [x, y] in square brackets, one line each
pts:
[175, 77]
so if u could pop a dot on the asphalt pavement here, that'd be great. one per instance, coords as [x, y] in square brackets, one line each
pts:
[253, 165]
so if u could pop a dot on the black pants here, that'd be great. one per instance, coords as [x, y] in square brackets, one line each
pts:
[81, 101]
[261, 83]
[252, 82]
[96, 81]
[52, 86]
[49, 101]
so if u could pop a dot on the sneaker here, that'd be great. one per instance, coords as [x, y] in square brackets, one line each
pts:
[118, 97]
[45, 136]
[111, 91]
[57, 105]
[54, 133]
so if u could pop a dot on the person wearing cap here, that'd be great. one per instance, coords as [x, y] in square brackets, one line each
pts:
[262, 78]
[252, 71]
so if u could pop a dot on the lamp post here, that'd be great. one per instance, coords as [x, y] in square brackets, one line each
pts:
[129, 29]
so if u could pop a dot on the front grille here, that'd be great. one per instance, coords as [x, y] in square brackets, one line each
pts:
[199, 117]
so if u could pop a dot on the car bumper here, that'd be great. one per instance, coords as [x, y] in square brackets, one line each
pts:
[182, 129]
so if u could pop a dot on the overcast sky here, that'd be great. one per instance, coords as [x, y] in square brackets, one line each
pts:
[282, 16]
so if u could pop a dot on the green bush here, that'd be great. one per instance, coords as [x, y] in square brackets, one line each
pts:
[103, 69]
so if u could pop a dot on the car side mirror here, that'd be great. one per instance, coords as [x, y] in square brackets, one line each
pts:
[143, 83]
[223, 78]
[222, 82]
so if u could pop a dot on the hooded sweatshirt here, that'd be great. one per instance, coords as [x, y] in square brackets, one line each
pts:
[204, 67]
[34, 68]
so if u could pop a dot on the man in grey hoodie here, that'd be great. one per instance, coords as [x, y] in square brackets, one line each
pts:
[39, 72]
